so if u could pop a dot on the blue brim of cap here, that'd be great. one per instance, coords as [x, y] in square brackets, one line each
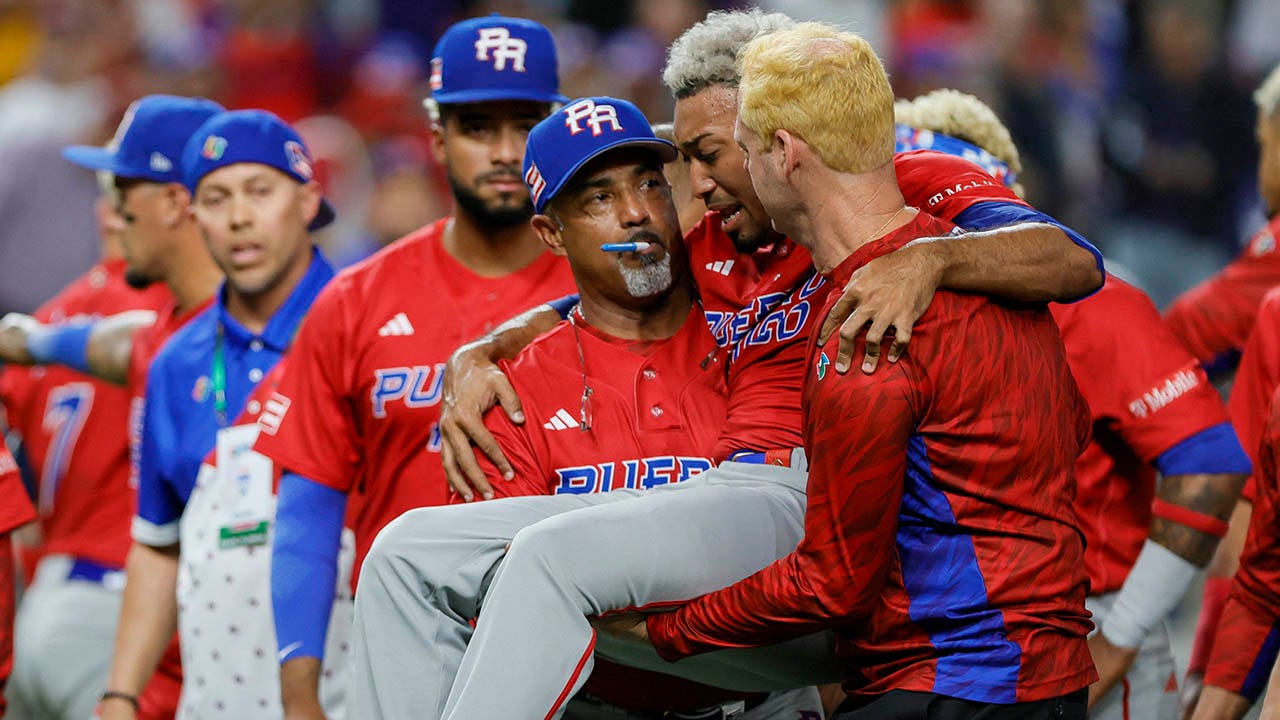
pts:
[99, 158]
[479, 95]
[666, 151]
[324, 216]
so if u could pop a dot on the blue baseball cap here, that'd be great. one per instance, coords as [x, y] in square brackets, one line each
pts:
[148, 145]
[250, 136]
[495, 58]
[569, 138]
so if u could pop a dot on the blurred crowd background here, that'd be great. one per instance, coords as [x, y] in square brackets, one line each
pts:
[1134, 118]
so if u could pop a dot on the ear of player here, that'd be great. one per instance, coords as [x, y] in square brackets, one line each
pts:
[568, 139]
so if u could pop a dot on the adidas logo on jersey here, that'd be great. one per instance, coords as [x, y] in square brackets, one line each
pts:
[721, 266]
[397, 326]
[562, 420]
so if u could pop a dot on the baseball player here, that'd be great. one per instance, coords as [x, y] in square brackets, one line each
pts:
[638, 350]
[1036, 261]
[702, 80]
[253, 195]
[1153, 409]
[1243, 655]
[15, 511]
[689, 207]
[931, 605]
[161, 244]
[74, 431]
[1214, 318]
[363, 385]
[1255, 383]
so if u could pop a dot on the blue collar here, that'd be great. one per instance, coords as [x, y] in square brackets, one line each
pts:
[282, 326]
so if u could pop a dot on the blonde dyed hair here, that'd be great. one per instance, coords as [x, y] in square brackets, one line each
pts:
[823, 85]
[964, 117]
[1267, 96]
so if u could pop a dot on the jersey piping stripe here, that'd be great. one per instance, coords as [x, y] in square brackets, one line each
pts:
[948, 595]
[1256, 680]
[573, 678]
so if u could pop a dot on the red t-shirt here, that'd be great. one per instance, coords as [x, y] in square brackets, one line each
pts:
[1256, 380]
[753, 309]
[1146, 394]
[1215, 317]
[1244, 650]
[361, 394]
[975, 587]
[75, 427]
[655, 411]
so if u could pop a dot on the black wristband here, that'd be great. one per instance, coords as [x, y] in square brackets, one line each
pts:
[113, 695]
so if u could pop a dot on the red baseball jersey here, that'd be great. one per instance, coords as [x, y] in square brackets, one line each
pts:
[655, 413]
[1256, 380]
[362, 389]
[1146, 394]
[75, 427]
[1245, 648]
[1215, 317]
[15, 506]
[974, 588]
[754, 310]
[15, 511]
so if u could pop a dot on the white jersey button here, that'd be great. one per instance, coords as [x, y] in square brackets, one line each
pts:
[649, 373]
[656, 411]
[255, 375]
[255, 345]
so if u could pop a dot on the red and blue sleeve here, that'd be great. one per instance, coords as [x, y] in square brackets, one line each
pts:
[304, 564]
[1135, 373]
[840, 566]
[317, 436]
[1248, 638]
[993, 214]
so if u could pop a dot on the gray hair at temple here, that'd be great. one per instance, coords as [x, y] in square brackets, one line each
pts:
[707, 53]
[1267, 96]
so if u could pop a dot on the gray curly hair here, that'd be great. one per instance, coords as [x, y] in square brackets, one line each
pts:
[707, 53]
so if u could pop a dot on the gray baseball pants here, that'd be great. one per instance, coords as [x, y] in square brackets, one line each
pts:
[571, 556]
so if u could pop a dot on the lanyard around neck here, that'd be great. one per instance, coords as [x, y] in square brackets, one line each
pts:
[218, 377]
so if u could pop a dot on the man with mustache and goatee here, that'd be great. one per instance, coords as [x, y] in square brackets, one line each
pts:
[362, 388]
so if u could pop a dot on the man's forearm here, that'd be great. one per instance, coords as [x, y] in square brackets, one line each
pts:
[1208, 495]
[148, 617]
[1219, 704]
[1029, 262]
[101, 348]
[300, 684]
[111, 344]
[508, 339]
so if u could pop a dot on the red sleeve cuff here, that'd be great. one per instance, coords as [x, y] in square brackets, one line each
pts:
[662, 633]
[1214, 599]
[1244, 651]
